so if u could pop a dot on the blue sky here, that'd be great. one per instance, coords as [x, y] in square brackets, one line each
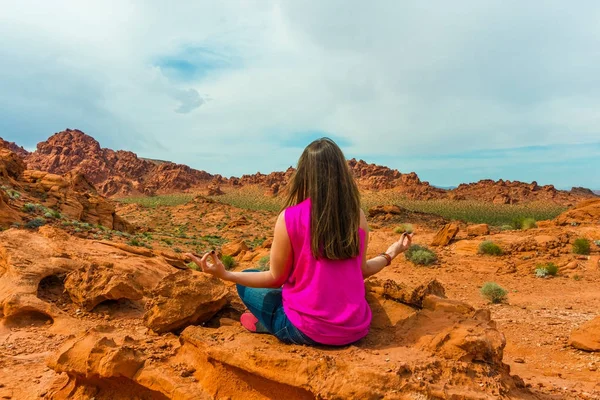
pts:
[456, 91]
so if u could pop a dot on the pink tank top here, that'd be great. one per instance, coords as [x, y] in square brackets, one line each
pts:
[324, 299]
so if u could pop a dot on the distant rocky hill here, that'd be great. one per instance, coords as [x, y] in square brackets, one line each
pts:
[119, 173]
[21, 152]
[112, 172]
[507, 192]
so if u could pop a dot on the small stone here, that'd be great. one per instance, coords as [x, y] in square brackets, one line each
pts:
[519, 361]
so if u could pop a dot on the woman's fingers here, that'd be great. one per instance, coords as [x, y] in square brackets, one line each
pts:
[203, 263]
[215, 259]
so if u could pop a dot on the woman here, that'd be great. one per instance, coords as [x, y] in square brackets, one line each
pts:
[314, 292]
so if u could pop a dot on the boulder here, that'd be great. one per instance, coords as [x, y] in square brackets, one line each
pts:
[587, 211]
[11, 165]
[408, 293]
[93, 284]
[234, 248]
[587, 336]
[389, 209]
[478, 230]
[184, 298]
[445, 235]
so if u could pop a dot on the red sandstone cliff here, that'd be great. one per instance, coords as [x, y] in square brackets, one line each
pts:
[112, 172]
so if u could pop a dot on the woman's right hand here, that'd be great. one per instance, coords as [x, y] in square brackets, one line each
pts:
[401, 245]
[216, 268]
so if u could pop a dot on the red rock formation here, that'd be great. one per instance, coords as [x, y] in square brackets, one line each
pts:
[122, 173]
[507, 192]
[18, 150]
[112, 172]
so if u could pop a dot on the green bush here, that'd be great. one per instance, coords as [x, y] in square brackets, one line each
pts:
[581, 246]
[404, 228]
[134, 242]
[528, 223]
[30, 207]
[228, 261]
[493, 292]
[506, 228]
[420, 255]
[263, 263]
[13, 194]
[52, 214]
[35, 223]
[546, 270]
[490, 248]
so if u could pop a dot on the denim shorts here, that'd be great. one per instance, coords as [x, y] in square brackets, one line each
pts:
[267, 306]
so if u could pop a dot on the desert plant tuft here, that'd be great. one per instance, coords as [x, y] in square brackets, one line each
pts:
[135, 242]
[493, 292]
[420, 255]
[13, 194]
[228, 262]
[581, 246]
[52, 214]
[546, 270]
[489, 247]
[506, 228]
[35, 223]
[30, 207]
[404, 228]
[528, 223]
[263, 263]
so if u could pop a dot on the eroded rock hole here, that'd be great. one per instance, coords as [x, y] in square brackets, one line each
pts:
[52, 289]
[122, 307]
[29, 318]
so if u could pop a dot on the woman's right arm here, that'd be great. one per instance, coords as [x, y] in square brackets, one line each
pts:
[376, 264]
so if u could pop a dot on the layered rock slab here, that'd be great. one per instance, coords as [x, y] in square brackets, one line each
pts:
[446, 350]
[587, 336]
[183, 298]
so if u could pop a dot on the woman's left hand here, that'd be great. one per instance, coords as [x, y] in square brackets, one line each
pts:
[216, 268]
[401, 245]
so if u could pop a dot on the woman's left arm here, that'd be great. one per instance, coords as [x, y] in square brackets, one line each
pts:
[281, 259]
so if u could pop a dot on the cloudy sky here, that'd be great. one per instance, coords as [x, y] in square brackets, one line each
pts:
[456, 91]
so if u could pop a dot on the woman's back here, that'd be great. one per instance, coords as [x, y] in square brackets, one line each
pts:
[323, 298]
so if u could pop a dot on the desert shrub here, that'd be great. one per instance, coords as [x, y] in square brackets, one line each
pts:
[214, 240]
[263, 263]
[147, 235]
[420, 255]
[177, 250]
[30, 207]
[581, 246]
[597, 243]
[35, 223]
[506, 228]
[166, 241]
[546, 270]
[493, 292]
[52, 214]
[577, 277]
[404, 228]
[228, 262]
[490, 248]
[194, 266]
[134, 242]
[528, 223]
[257, 242]
[13, 194]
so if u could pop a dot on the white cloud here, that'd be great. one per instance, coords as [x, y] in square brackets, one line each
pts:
[394, 78]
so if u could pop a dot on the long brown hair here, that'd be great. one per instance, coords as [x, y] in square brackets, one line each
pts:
[324, 176]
